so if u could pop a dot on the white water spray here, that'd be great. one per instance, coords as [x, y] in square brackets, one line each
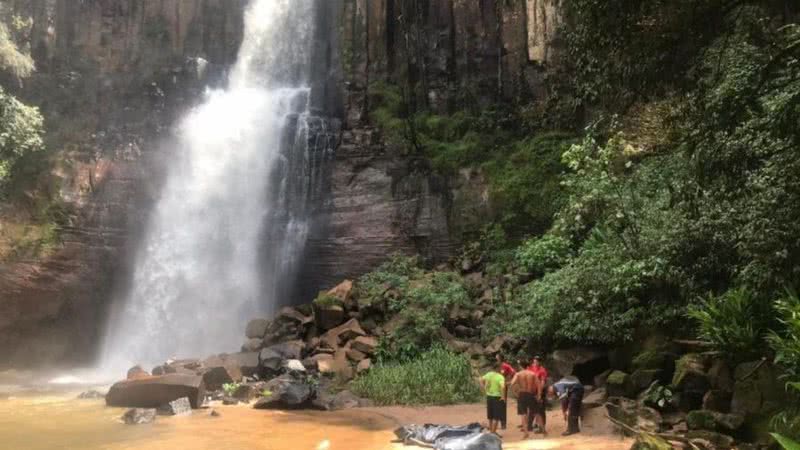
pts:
[200, 271]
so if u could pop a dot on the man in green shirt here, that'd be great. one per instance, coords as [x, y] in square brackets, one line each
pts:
[493, 384]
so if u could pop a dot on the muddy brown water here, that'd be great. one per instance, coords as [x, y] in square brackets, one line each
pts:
[45, 417]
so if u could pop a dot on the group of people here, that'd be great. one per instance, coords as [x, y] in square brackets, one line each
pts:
[530, 385]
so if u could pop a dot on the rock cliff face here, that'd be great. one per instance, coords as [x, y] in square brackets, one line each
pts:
[113, 75]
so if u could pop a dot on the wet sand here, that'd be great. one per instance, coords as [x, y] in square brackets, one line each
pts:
[57, 420]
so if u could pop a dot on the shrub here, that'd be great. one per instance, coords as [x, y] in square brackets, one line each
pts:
[436, 377]
[734, 323]
[786, 345]
[325, 300]
[540, 255]
[230, 388]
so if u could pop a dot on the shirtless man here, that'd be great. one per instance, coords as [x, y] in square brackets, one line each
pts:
[529, 392]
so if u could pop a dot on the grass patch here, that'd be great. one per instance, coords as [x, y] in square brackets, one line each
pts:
[436, 377]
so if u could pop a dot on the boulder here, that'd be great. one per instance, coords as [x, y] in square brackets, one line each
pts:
[714, 421]
[365, 344]
[690, 374]
[290, 349]
[321, 358]
[155, 391]
[650, 442]
[623, 410]
[648, 419]
[139, 416]
[711, 440]
[355, 355]
[564, 361]
[270, 360]
[757, 389]
[641, 379]
[496, 345]
[601, 379]
[618, 384]
[342, 291]
[179, 407]
[595, 399]
[90, 395]
[136, 372]
[338, 336]
[716, 400]
[257, 328]
[248, 362]
[328, 316]
[294, 365]
[339, 401]
[363, 365]
[220, 370]
[289, 314]
[287, 392]
[719, 376]
[252, 345]
[230, 401]
[248, 391]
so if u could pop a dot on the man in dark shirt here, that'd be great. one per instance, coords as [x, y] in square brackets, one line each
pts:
[570, 391]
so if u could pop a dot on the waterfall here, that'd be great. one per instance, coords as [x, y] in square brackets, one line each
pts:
[229, 227]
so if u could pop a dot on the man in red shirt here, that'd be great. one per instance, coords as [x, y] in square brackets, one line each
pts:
[508, 372]
[538, 369]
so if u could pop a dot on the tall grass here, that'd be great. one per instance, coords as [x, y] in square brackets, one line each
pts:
[436, 377]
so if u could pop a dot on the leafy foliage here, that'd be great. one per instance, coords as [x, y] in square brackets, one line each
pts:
[544, 254]
[735, 323]
[21, 130]
[435, 377]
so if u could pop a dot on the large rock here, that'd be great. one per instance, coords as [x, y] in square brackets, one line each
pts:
[595, 399]
[711, 440]
[758, 389]
[252, 345]
[256, 328]
[248, 362]
[219, 370]
[565, 361]
[365, 344]
[342, 291]
[338, 336]
[139, 416]
[339, 401]
[623, 410]
[690, 374]
[716, 400]
[364, 366]
[270, 360]
[618, 384]
[136, 372]
[714, 421]
[155, 391]
[641, 379]
[179, 407]
[328, 316]
[289, 350]
[287, 392]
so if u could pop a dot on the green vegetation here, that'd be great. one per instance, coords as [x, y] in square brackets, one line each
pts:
[435, 377]
[230, 388]
[327, 300]
[419, 301]
[734, 323]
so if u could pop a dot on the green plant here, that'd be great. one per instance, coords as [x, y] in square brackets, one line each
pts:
[230, 388]
[544, 254]
[326, 300]
[266, 393]
[786, 344]
[435, 377]
[734, 323]
[786, 443]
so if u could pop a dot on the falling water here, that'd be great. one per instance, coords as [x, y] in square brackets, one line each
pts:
[231, 221]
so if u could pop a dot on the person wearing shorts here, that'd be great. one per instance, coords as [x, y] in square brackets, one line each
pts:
[493, 384]
[529, 406]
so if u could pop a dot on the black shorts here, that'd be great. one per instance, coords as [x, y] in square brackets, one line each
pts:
[528, 403]
[495, 408]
